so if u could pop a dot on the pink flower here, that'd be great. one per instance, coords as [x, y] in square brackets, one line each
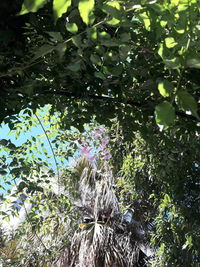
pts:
[105, 141]
[84, 143]
[104, 152]
[102, 147]
[85, 150]
[108, 156]
[91, 159]
[100, 130]
[96, 133]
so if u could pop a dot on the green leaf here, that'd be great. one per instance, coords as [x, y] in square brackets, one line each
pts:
[95, 59]
[158, 8]
[3, 142]
[125, 37]
[163, 23]
[72, 27]
[146, 20]
[112, 8]
[116, 71]
[113, 21]
[99, 75]
[85, 9]
[42, 51]
[2, 171]
[175, 2]
[92, 33]
[56, 36]
[110, 42]
[165, 114]
[165, 88]
[172, 63]
[60, 7]
[181, 25]
[188, 243]
[193, 63]
[15, 171]
[74, 67]
[76, 40]
[170, 42]
[187, 102]
[32, 6]
[61, 48]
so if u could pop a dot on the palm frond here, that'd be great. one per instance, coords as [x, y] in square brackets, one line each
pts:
[105, 240]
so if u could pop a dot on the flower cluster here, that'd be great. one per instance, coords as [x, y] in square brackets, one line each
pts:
[89, 150]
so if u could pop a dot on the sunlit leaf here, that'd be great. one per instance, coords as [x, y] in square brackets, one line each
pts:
[170, 42]
[113, 21]
[172, 63]
[112, 8]
[163, 23]
[60, 7]
[165, 88]
[72, 27]
[85, 9]
[175, 2]
[32, 6]
[146, 20]
[161, 50]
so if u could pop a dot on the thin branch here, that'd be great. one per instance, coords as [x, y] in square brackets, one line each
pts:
[98, 97]
[16, 70]
[129, 101]
[64, 42]
[50, 50]
[54, 156]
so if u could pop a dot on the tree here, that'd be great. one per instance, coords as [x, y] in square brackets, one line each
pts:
[106, 239]
[134, 67]
[50, 234]
[124, 59]
[161, 172]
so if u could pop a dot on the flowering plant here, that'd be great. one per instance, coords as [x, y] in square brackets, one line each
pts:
[96, 146]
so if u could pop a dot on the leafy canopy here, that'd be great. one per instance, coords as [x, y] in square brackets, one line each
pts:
[113, 56]
[131, 65]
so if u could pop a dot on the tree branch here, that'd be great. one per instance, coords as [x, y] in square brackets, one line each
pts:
[98, 97]
[128, 101]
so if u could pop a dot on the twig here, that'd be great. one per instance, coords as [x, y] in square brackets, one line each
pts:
[54, 156]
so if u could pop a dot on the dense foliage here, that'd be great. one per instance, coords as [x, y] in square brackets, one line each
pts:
[162, 173]
[132, 66]
[126, 58]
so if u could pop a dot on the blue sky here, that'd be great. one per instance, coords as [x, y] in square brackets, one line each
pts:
[34, 131]
[4, 131]
[48, 121]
